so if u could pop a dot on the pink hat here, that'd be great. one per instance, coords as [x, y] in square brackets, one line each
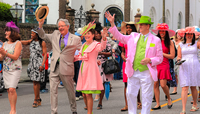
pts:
[13, 26]
[165, 27]
[182, 32]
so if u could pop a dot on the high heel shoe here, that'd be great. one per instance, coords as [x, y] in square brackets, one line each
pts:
[170, 106]
[35, 105]
[39, 101]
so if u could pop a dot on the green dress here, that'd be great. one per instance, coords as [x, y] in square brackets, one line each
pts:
[87, 91]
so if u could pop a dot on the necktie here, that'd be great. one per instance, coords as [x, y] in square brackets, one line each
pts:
[62, 43]
[143, 38]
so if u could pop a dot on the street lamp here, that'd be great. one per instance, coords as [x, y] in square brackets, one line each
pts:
[16, 11]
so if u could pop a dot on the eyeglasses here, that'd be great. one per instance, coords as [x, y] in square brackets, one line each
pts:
[62, 26]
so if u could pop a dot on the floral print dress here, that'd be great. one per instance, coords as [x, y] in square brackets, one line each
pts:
[11, 68]
[35, 62]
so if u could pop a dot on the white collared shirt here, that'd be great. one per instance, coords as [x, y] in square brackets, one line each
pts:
[146, 36]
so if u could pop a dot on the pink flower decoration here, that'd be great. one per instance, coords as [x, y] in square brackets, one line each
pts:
[162, 26]
[182, 32]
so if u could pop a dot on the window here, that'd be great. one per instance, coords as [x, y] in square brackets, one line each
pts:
[191, 20]
[168, 18]
[199, 22]
[118, 16]
[179, 21]
[152, 16]
[30, 8]
[20, 18]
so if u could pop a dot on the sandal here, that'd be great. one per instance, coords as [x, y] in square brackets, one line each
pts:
[35, 105]
[85, 108]
[139, 106]
[193, 109]
[124, 109]
[99, 107]
[182, 112]
[191, 102]
[39, 101]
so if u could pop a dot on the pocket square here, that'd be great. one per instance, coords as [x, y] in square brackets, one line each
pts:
[152, 45]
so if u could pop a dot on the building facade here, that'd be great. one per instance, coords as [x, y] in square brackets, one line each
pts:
[174, 10]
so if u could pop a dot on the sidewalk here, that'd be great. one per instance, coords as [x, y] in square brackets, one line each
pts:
[24, 76]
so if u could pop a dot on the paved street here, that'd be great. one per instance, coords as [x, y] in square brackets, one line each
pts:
[111, 106]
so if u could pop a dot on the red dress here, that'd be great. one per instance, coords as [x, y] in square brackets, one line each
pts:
[124, 63]
[163, 68]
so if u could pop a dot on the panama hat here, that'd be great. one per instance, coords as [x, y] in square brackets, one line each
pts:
[123, 26]
[165, 27]
[41, 13]
[145, 20]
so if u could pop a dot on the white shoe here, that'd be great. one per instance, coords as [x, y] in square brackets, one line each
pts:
[80, 97]
[77, 99]
[60, 86]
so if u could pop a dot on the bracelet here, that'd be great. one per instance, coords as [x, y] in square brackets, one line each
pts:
[42, 65]
[6, 53]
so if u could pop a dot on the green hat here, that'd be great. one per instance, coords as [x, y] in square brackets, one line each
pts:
[145, 20]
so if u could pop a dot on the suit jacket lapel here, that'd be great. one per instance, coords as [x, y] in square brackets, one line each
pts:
[58, 40]
[148, 43]
[70, 39]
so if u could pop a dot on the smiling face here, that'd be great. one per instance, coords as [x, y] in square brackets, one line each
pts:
[128, 29]
[89, 37]
[179, 37]
[7, 33]
[63, 28]
[162, 33]
[97, 36]
[33, 35]
[189, 37]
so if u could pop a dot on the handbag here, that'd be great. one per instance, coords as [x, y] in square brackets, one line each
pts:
[111, 66]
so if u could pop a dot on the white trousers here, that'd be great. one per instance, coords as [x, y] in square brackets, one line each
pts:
[145, 81]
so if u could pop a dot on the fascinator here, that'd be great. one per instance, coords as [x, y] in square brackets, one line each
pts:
[86, 28]
[11, 25]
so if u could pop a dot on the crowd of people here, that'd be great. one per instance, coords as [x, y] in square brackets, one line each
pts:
[147, 61]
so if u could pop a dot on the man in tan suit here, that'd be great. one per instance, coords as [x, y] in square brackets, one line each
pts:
[64, 45]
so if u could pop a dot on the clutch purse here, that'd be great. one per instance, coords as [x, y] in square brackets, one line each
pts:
[179, 62]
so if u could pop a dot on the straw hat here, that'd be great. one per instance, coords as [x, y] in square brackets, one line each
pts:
[165, 27]
[41, 13]
[123, 26]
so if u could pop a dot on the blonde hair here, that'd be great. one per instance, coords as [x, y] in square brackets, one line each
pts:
[176, 38]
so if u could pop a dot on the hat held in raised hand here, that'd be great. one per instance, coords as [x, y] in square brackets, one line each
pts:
[41, 13]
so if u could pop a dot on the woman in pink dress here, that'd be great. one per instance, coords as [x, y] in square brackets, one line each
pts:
[127, 28]
[89, 79]
[164, 33]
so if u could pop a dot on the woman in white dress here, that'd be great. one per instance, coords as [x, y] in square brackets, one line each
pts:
[10, 53]
[189, 71]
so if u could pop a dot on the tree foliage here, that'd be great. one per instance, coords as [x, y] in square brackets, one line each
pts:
[5, 14]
